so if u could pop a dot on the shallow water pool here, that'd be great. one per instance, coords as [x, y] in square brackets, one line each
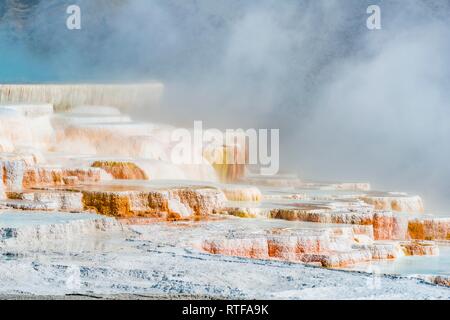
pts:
[411, 265]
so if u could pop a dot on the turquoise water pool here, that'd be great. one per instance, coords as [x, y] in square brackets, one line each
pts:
[438, 265]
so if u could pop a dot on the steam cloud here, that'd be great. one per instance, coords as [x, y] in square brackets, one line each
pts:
[352, 104]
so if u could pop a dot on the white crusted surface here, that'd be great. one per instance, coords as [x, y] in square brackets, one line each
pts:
[154, 261]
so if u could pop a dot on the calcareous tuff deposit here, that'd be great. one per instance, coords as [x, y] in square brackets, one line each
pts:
[91, 202]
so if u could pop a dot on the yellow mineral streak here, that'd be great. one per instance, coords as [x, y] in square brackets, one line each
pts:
[125, 204]
[429, 229]
[242, 193]
[2, 188]
[244, 212]
[121, 170]
[227, 160]
[420, 248]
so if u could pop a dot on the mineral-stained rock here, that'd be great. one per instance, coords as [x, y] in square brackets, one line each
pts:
[228, 161]
[389, 226]
[13, 171]
[439, 280]
[27, 156]
[395, 202]
[121, 169]
[59, 162]
[178, 210]
[47, 200]
[307, 212]
[420, 248]
[386, 225]
[329, 248]
[321, 214]
[201, 200]
[338, 259]
[429, 229]
[2, 188]
[38, 176]
[125, 203]
[241, 193]
[382, 251]
[291, 247]
[70, 180]
[284, 247]
[246, 212]
[301, 212]
[251, 248]
[378, 225]
[170, 203]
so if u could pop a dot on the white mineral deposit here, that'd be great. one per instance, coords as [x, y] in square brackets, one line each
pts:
[224, 149]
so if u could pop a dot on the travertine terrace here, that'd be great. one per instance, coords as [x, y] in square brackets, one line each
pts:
[67, 96]
[82, 176]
